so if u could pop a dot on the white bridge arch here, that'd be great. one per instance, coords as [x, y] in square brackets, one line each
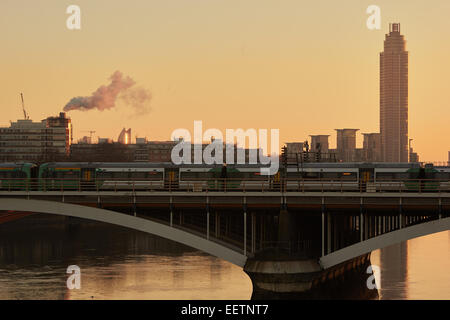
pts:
[124, 220]
[210, 247]
[384, 240]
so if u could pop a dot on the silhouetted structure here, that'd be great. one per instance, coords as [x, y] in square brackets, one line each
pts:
[25, 140]
[394, 97]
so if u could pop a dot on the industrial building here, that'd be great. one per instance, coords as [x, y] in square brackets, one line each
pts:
[25, 140]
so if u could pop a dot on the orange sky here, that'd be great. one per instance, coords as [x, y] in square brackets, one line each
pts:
[304, 67]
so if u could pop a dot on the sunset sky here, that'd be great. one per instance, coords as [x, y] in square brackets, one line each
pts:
[304, 67]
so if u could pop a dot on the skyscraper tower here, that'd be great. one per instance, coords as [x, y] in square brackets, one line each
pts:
[394, 97]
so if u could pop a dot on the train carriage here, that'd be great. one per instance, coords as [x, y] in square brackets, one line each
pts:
[129, 177]
[16, 176]
[218, 177]
[326, 177]
[101, 176]
[362, 177]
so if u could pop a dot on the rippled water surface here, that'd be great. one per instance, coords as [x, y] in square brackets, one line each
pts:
[117, 263]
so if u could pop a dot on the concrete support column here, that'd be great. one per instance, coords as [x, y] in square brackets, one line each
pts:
[328, 233]
[323, 226]
[361, 227]
[245, 232]
[171, 212]
[284, 224]
[366, 226]
[374, 226]
[207, 225]
[217, 228]
[323, 233]
[207, 218]
[253, 232]
[335, 232]
[261, 231]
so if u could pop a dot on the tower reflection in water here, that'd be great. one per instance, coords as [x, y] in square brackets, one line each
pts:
[117, 263]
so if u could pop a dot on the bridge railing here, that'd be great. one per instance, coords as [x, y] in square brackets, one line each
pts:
[226, 185]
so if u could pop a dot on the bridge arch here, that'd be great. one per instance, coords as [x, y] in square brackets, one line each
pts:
[384, 240]
[124, 220]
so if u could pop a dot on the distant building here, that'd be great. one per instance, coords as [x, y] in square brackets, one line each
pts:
[85, 139]
[413, 157]
[125, 136]
[319, 143]
[141, 140]
[104, 140]
[104, 151]
[160, 151]
[394, 97]
[25, 140]
[142, 150]
[372, 147]
[346, 144]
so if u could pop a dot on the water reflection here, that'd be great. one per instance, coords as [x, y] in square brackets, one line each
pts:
[117, 263]
[416, 269]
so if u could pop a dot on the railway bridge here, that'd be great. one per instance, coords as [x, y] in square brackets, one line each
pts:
[288, 242]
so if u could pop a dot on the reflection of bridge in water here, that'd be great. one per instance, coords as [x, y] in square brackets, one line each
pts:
[288, 242]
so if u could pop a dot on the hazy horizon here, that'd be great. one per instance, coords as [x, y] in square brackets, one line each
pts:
[304, 68]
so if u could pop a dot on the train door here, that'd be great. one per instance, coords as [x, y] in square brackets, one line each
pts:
[366, 179]
[171, 178]
[87, 178]
[276, 180]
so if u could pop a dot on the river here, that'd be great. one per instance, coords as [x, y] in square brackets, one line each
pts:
[117, 263]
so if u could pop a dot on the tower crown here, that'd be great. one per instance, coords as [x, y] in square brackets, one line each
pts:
[394, 27]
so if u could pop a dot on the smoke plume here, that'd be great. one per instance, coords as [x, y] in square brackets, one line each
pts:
[105, 97]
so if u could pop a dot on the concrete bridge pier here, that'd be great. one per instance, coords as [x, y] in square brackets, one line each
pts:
[305, 279]
[290, 268]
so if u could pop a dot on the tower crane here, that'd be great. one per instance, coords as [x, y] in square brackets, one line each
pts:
[90, 133]
[25, 115]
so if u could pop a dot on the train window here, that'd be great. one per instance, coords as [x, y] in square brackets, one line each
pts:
[294, 175]
[153, 175]
[393, 176]
[66, 174]
[121, 175]
[104, 175]
[47, 174]
[139, 175]
[384, 176]
[442, 175]
[18, 174]
[331, 175]
[5, 174]
[186, 175]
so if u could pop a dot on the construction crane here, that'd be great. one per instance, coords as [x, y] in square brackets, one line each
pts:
[90, 133]
[25, 115]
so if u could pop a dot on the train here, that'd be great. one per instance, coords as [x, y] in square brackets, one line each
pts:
[368, 177]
